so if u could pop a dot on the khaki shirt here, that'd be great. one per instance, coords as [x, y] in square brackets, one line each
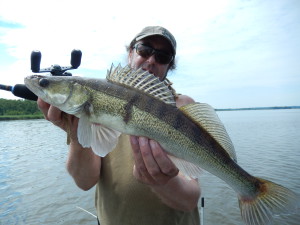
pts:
[122, 200]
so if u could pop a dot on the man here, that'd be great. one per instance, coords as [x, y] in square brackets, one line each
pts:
[137, 184]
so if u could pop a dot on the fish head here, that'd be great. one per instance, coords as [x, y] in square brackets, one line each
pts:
[62, 92]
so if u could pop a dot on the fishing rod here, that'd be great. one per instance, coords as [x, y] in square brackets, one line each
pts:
[202, 211]
[20, 90]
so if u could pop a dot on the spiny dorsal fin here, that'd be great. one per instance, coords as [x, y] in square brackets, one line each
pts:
[205, 116]
[141, 80]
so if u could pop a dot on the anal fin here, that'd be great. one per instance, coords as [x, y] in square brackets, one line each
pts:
[190, 170]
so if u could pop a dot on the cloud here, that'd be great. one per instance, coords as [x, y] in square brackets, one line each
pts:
[101, 31]
[223, 46]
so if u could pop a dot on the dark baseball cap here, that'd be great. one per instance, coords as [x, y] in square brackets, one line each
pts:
[156, 30]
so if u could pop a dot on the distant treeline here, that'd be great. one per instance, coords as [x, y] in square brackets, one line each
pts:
[18, 107]
[24, 107]
[260, 108]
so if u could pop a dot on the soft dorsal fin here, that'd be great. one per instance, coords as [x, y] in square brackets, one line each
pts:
[205, 116]
[142, 81]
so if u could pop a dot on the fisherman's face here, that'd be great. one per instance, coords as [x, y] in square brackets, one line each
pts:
[149, 63]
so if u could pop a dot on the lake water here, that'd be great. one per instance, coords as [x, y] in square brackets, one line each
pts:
[35, 187]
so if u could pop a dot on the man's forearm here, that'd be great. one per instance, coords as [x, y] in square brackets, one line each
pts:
[179, 193]
[83, 165]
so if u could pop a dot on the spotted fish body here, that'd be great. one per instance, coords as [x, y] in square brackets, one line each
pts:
[137, 103]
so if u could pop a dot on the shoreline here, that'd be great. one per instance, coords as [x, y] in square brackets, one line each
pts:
[40, 116]
[20, 117]
[260, 108]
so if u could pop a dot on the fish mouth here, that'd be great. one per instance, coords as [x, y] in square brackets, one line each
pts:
[32, 79]
[48, 89]
[32, 83]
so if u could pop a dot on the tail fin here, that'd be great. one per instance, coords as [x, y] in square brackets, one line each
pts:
[272, 200]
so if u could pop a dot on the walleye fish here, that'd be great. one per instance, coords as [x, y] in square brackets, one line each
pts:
[137, 103]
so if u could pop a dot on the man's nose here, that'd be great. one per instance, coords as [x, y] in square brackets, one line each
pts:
[151, 59]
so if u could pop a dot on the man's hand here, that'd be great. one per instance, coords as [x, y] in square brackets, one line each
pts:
[68, 123]
[154, 168]
[152, 165]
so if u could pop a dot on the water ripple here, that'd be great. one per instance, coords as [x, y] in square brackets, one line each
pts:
[35, 187]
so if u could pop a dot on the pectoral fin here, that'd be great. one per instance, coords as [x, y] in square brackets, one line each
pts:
[104, 139]
[84, 131]
[101, 139]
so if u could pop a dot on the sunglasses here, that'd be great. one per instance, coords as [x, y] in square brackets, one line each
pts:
[146, 51]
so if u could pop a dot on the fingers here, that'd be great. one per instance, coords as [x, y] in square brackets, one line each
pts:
[55, 115]
[161, 157]
[68, 123]
[50, 112]
[43, 106]
[152, 165]
[139, 170]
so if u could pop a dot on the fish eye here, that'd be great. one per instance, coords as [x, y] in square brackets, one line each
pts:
[43, 82]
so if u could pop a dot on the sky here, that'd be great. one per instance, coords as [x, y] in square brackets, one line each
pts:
[230, 53]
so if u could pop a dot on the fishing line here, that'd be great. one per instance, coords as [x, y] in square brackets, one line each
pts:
[86, 211]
